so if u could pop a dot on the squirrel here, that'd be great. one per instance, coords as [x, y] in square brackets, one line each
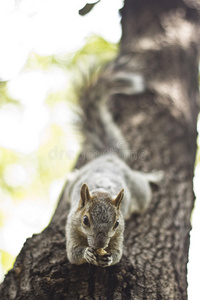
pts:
[105, 191]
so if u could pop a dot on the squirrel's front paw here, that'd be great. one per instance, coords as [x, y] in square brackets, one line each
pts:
[104, 260]
[90, 256]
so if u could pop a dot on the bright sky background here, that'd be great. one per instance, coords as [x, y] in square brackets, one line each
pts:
[49, 27]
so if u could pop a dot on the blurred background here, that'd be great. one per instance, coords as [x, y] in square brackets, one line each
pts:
[45, 46]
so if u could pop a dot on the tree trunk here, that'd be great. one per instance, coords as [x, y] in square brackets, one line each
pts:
[160, 45]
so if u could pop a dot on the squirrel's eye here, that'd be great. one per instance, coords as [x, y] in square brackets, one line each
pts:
[86, 221]
[116, 224]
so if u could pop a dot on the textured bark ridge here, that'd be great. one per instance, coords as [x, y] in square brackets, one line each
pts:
[160, 45]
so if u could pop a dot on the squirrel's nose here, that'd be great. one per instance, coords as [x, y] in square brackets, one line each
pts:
[101, 240]
[100, 235]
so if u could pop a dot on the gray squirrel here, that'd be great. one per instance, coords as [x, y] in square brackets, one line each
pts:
[106, 191]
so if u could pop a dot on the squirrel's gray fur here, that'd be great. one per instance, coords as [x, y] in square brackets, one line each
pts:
[105, 191]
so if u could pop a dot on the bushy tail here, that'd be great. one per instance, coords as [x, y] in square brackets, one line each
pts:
[101, 132]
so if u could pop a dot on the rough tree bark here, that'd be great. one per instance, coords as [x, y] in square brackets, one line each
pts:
[160, 43]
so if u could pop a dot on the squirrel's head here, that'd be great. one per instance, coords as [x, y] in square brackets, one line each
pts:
[101, 217]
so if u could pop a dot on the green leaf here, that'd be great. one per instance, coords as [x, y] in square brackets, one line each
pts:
[87, 8]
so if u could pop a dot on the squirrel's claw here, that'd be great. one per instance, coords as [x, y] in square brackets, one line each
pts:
[90, 256]
[104, 260]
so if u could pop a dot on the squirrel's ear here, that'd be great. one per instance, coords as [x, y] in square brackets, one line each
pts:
[85, 195]
[117, 201]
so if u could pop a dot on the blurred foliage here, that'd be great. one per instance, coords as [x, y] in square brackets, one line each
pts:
[6, 260]
[95, 48]
[4, 97]
[55, 156]
[36, 61]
